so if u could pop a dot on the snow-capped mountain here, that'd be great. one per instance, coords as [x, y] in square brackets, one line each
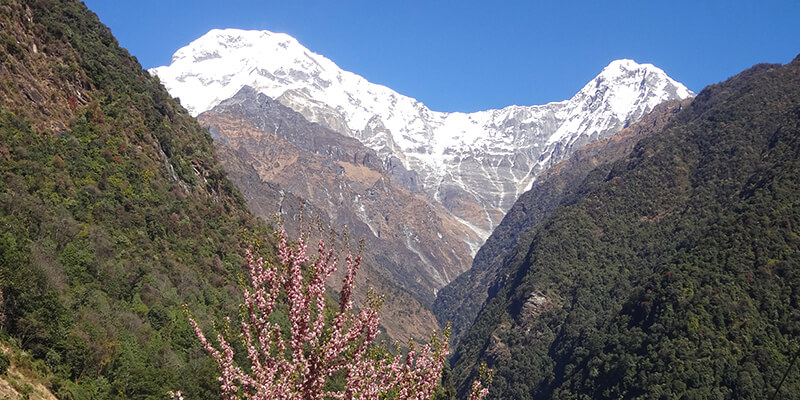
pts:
[475, 164]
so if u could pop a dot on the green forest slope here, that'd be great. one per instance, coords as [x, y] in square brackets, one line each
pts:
[673, 274]
[460, 301]
[113, 211]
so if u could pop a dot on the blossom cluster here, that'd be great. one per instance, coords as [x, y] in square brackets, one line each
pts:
[297, 364]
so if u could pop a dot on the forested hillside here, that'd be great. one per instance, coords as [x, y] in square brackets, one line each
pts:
[460, 301]
[671, 274]
[113, 211]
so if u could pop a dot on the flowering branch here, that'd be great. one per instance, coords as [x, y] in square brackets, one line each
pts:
[478, 391]
[298, 365]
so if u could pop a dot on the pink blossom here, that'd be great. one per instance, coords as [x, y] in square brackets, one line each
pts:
[297, 365]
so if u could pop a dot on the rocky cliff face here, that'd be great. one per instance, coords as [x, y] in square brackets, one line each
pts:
[475, 165]
[413, 247]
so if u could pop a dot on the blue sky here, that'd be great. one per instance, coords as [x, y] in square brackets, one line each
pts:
[474, 55]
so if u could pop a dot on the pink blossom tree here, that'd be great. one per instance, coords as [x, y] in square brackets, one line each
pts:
[298, 364]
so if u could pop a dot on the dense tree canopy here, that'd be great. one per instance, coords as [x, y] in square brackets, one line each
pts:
[672, 273]
[113, 211]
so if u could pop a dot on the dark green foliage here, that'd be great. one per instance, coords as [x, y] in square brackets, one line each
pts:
[672, 273]
[460, 301]
[110, 224]
[5, 362]
[446, 390]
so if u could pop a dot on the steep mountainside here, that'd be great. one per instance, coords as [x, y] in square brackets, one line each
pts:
[460, 301]
[18, 379]
[410, 243]
[114, 214]
[673, 274]
[476, 165]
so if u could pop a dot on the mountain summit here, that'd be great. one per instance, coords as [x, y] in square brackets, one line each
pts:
[475, 164]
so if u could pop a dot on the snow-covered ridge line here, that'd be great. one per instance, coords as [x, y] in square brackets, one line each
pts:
[486, 158]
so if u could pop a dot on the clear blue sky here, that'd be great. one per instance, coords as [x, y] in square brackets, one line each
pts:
[473, 55]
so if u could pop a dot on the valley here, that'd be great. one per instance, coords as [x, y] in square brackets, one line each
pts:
[425, 188]
[635, 240]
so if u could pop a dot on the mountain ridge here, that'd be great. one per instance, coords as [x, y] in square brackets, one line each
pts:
[668, 273]
[474, 164]
[460, 301]
[413, 247]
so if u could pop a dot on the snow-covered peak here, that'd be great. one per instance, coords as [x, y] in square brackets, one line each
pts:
[625, 73]
[624, 91]
[217, 65]
[631, 77]
[486, 158]
[624, 64]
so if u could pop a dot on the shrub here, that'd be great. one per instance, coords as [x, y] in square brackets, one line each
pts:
[5, 362]
[298, 365]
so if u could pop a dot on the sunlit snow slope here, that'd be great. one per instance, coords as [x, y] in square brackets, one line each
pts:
[475, 164]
